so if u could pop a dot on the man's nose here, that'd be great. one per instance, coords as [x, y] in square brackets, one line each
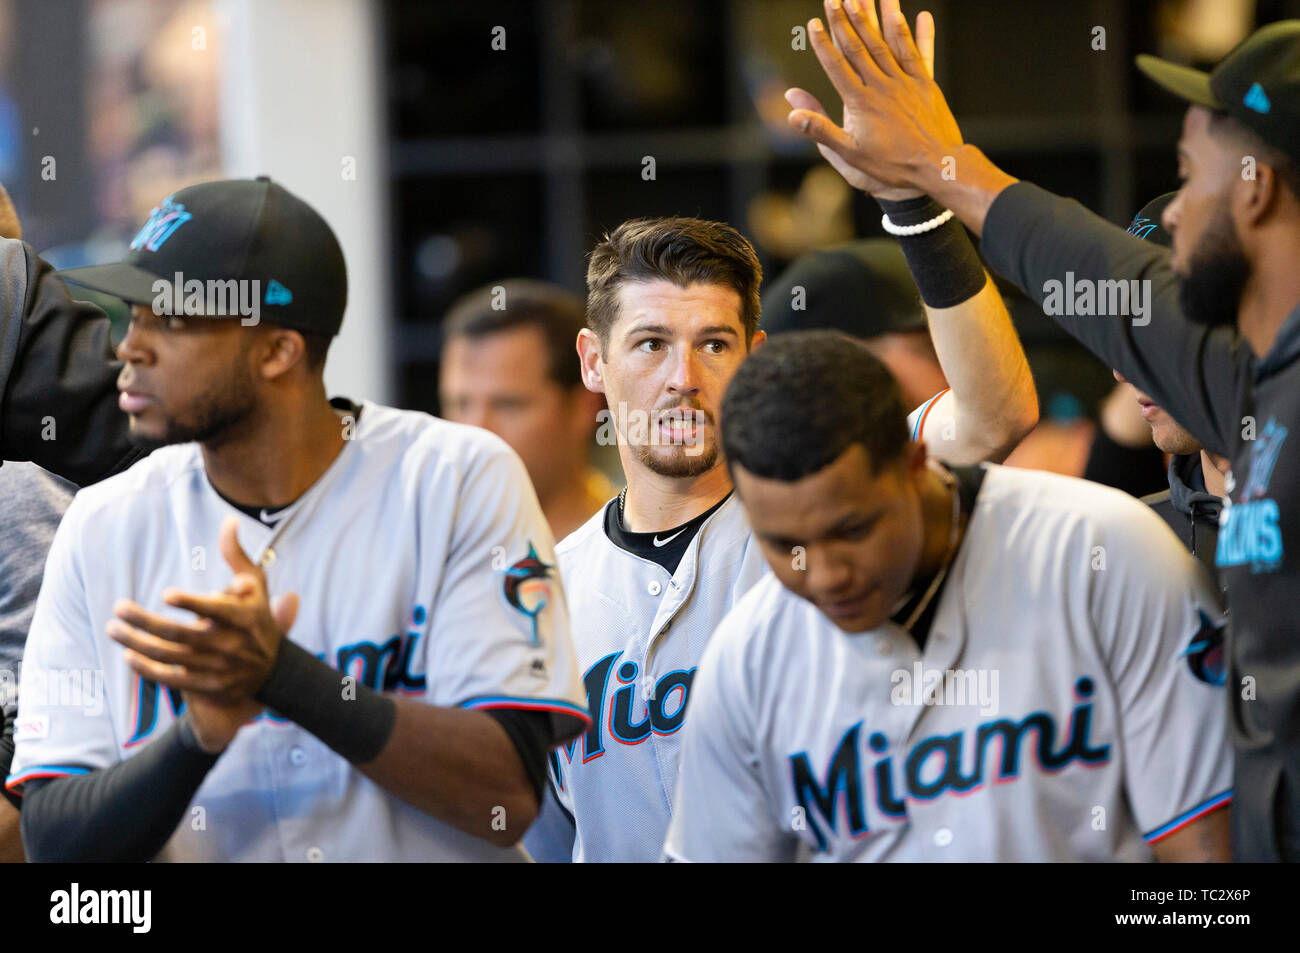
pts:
[133, 348]
[1169, 217]
[829, 571]
[685, 376]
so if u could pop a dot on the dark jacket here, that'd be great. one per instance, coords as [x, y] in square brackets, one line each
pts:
[1238, 406]
[1189, 508]
[58, 393]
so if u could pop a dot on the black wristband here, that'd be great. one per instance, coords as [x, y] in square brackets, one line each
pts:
[353, 719]
[943, 261]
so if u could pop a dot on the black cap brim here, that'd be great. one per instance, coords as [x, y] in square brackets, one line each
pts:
[121, 280]
[1183, 81]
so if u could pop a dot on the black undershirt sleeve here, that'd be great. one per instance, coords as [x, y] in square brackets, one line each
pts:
[57, 370]
[530, 732]
[7, 758]
[140, 801]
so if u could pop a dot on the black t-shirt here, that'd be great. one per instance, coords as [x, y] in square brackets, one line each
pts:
[666, 548]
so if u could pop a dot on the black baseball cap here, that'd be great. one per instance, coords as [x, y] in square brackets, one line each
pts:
[1146, 223]
[863, 288]
[1257, 83]
[245, 230]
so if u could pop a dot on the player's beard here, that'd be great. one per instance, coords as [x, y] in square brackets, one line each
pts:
[682, 460]
[1217, 271]
[679, 462]
[215, 417]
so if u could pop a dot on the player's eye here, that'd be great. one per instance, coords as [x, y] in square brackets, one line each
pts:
[651, 345]
[716, 346]
[856, 531]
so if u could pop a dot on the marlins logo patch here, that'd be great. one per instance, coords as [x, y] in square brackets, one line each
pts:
[528, 587]
[1205, 653]
[163, 221]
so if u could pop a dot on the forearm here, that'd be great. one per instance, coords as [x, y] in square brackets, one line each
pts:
[992, 388]
[140, 801]
[986, 368]
[1205, 842]
[457, 765]
[460, 767]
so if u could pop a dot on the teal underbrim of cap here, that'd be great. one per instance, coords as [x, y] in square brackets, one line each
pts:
[131, 284]
[1183, 81]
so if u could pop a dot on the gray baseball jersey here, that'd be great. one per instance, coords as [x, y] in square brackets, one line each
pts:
[639, 634]
[423, 564]
[1064, 706]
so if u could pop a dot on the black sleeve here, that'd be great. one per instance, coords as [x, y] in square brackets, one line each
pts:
[1135, 470]
[7, 758]
[56, 370]
[530, 732]
[1202, 376]
[121, 814]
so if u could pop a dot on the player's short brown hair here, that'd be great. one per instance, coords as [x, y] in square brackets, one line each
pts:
[680, 250]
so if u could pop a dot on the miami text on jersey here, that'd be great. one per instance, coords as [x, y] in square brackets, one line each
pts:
[628, 720]
[933, 766]
[385, 667]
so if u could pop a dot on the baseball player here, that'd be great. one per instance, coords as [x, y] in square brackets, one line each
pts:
[429, 666]
[672, 309]
[970, 664]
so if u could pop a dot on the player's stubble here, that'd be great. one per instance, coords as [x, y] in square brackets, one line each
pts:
[225, 403]
[679, 461]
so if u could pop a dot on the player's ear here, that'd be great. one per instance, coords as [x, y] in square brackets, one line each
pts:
[589, 354]
[1256, 195]
[757, 340]
[280, 350]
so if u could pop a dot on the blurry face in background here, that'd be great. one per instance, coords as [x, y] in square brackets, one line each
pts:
[910, 357]
[500, 382]
[1167, 435]
[186, 378]
[861, 534]
[670, 355]
[1207, 254]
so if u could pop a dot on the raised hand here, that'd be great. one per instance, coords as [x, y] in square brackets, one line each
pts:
[897, 127]
[801, 99]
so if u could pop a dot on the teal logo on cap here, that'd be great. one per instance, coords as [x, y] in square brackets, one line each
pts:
[1257, 99]
[163, 221]
[277, 293]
